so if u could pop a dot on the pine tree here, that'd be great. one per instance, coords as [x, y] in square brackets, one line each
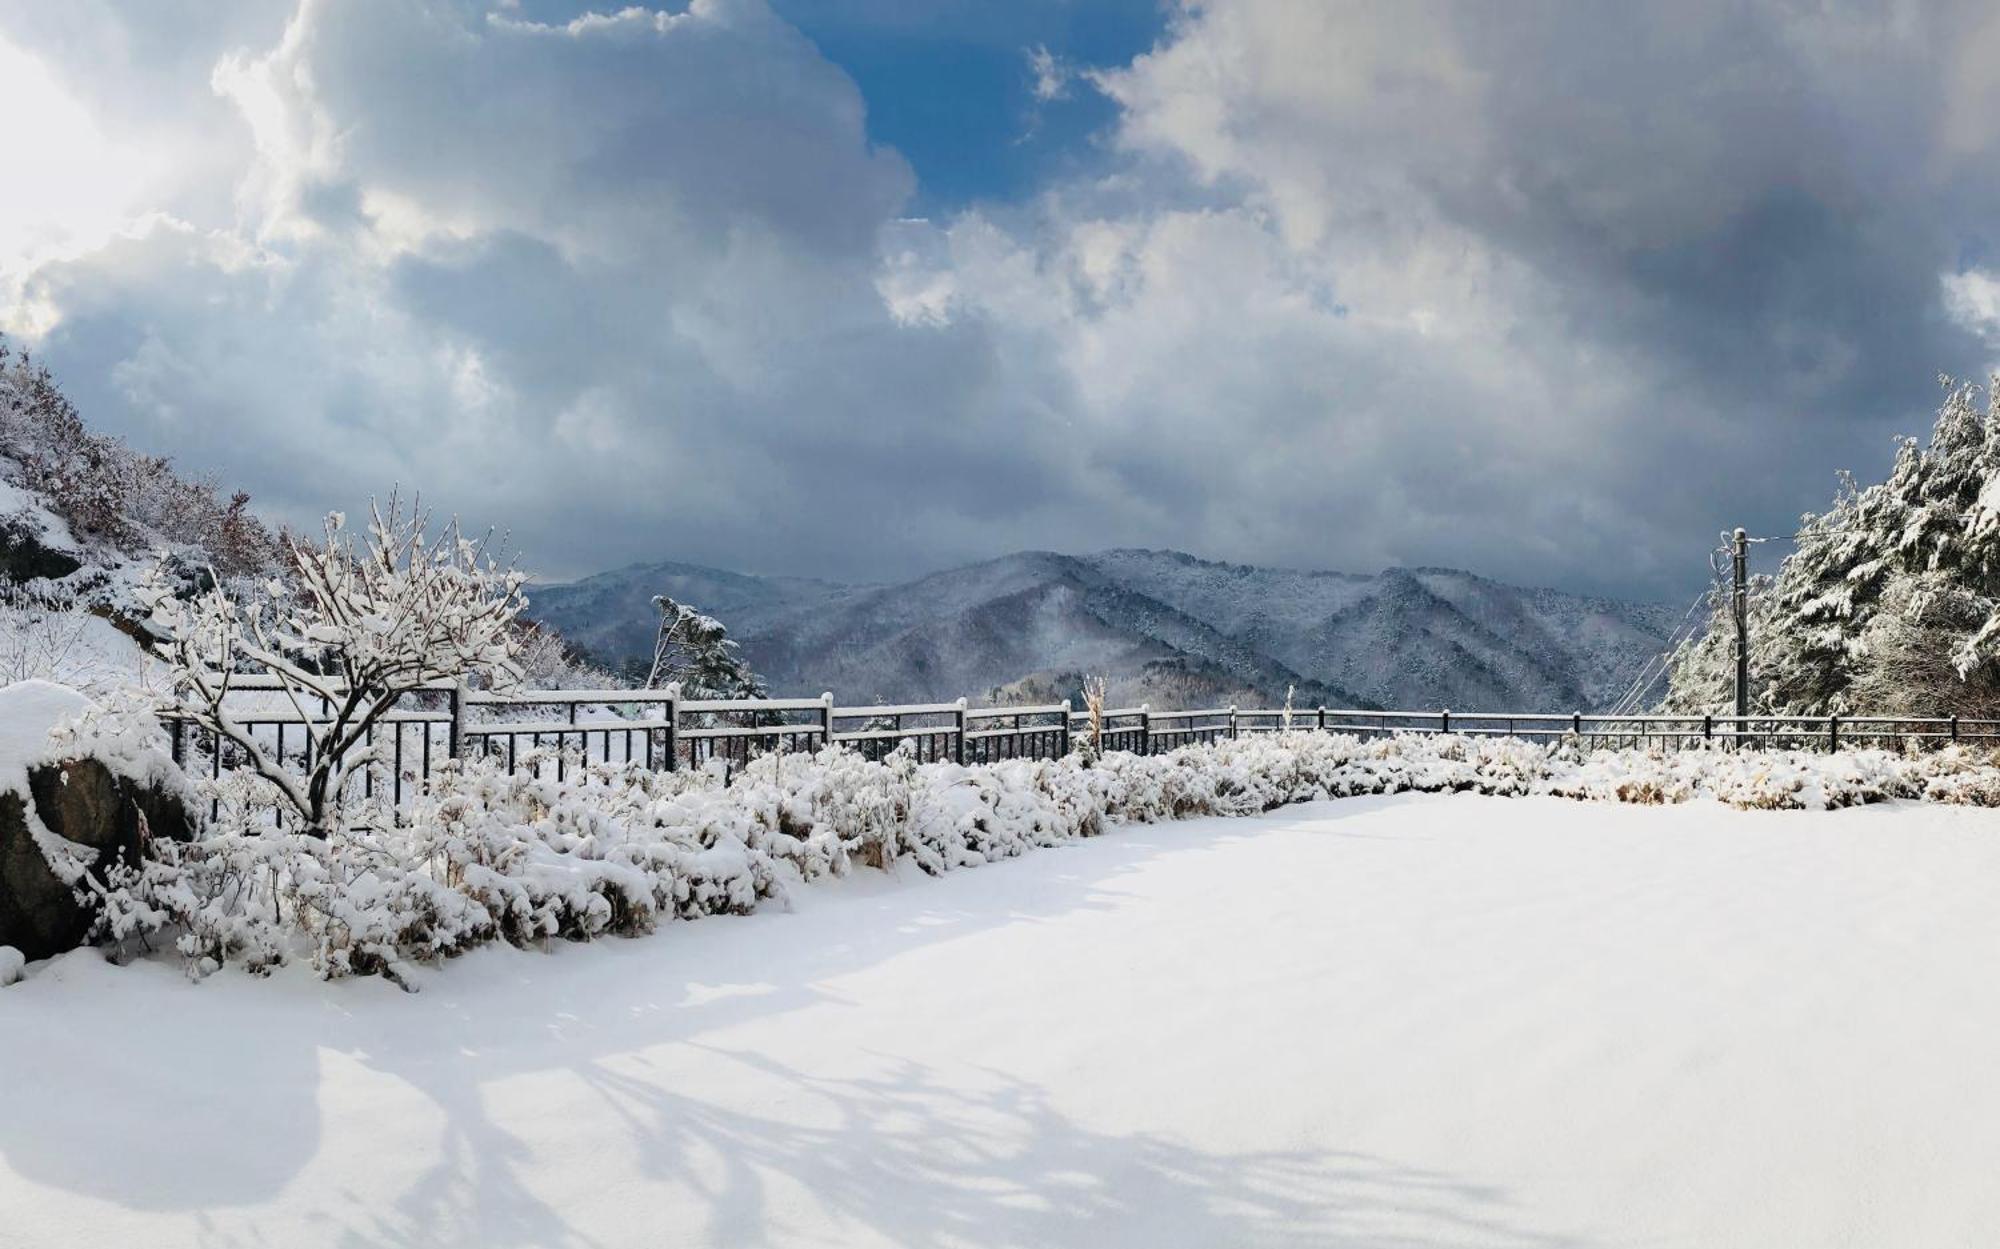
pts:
[696, 652]
[1890, 601]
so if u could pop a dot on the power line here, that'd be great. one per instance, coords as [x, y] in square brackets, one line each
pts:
[1642, 685]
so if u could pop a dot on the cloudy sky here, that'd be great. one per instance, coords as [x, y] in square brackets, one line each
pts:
[859, 288]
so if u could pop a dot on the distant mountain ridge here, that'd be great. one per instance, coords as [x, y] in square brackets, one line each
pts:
[1163, 626]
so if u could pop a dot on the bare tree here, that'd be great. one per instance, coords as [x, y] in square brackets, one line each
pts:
[363, 626]
[1094, 691]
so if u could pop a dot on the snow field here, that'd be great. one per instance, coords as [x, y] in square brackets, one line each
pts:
[1413, 1021]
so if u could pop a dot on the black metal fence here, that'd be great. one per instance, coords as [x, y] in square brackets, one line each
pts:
[659, 730]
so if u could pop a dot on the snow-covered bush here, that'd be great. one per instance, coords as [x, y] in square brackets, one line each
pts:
[490, 856]
[547, 661]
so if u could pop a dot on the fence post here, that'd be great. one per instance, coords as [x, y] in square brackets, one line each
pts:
[1954, 726]
[1232, 719]
[1576, 725]
[1065, 729]
[673, 706]
[1833, 732]
[1708, 727]
[1444, 722]
[1145, 728]
[958, 738]
[1321, 726]
[455, 732]
[825, 720]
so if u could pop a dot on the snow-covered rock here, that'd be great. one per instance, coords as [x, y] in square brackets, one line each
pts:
[81, 794]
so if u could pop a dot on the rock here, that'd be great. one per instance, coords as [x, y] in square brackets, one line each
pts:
[11, 962]
[39, 914]
[23, 556]
[104, 808]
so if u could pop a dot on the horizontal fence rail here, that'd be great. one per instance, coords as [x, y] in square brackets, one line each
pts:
[555, 730]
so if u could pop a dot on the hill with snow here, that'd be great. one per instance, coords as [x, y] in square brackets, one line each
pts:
[1164, 626]
[83, 517]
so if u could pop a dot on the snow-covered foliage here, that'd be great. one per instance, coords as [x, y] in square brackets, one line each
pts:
[547, 661]
[109, 494]
[488, 856]
[356, 630]
[1890, 602]
[46, 634]
[694, 651]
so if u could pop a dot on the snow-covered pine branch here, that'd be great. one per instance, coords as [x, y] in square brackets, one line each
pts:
[363, 625]
[1889, 603]
[694, 651]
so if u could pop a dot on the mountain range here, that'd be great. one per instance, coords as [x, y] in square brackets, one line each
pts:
[1160, 626]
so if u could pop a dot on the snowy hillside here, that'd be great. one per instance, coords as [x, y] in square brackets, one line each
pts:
[82, 516]
[1165, 626]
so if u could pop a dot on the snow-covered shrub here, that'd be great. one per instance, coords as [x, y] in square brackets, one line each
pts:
[547, 661]
[484, 855]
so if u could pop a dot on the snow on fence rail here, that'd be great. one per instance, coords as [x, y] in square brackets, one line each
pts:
[660, 730]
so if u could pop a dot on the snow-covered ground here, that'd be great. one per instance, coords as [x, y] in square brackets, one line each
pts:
[1416, 1021]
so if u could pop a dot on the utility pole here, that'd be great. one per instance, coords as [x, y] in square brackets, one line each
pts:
[1741, 607]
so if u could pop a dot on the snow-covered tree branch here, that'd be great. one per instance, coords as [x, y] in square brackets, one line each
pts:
[694, 651]
[362, 626]
[1889, 602]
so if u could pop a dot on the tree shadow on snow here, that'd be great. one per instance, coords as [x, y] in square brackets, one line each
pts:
[901, 1155]
[912, 1159]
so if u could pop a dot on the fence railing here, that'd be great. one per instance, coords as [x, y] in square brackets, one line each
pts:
[660, 730]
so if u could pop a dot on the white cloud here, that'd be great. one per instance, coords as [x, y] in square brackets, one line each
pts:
[1974, 298]
[1051, 78]
[1552, 296]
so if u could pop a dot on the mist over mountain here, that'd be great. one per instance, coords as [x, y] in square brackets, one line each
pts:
[1163, 626]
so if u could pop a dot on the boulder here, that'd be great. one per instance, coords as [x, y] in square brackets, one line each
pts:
[25, 555]
[104, 804]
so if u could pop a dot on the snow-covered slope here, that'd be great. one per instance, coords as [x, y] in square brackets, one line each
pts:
[1163, 625]
[82, 517]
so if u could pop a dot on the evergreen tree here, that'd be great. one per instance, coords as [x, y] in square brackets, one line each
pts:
[696, 652]
[1890, 601]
